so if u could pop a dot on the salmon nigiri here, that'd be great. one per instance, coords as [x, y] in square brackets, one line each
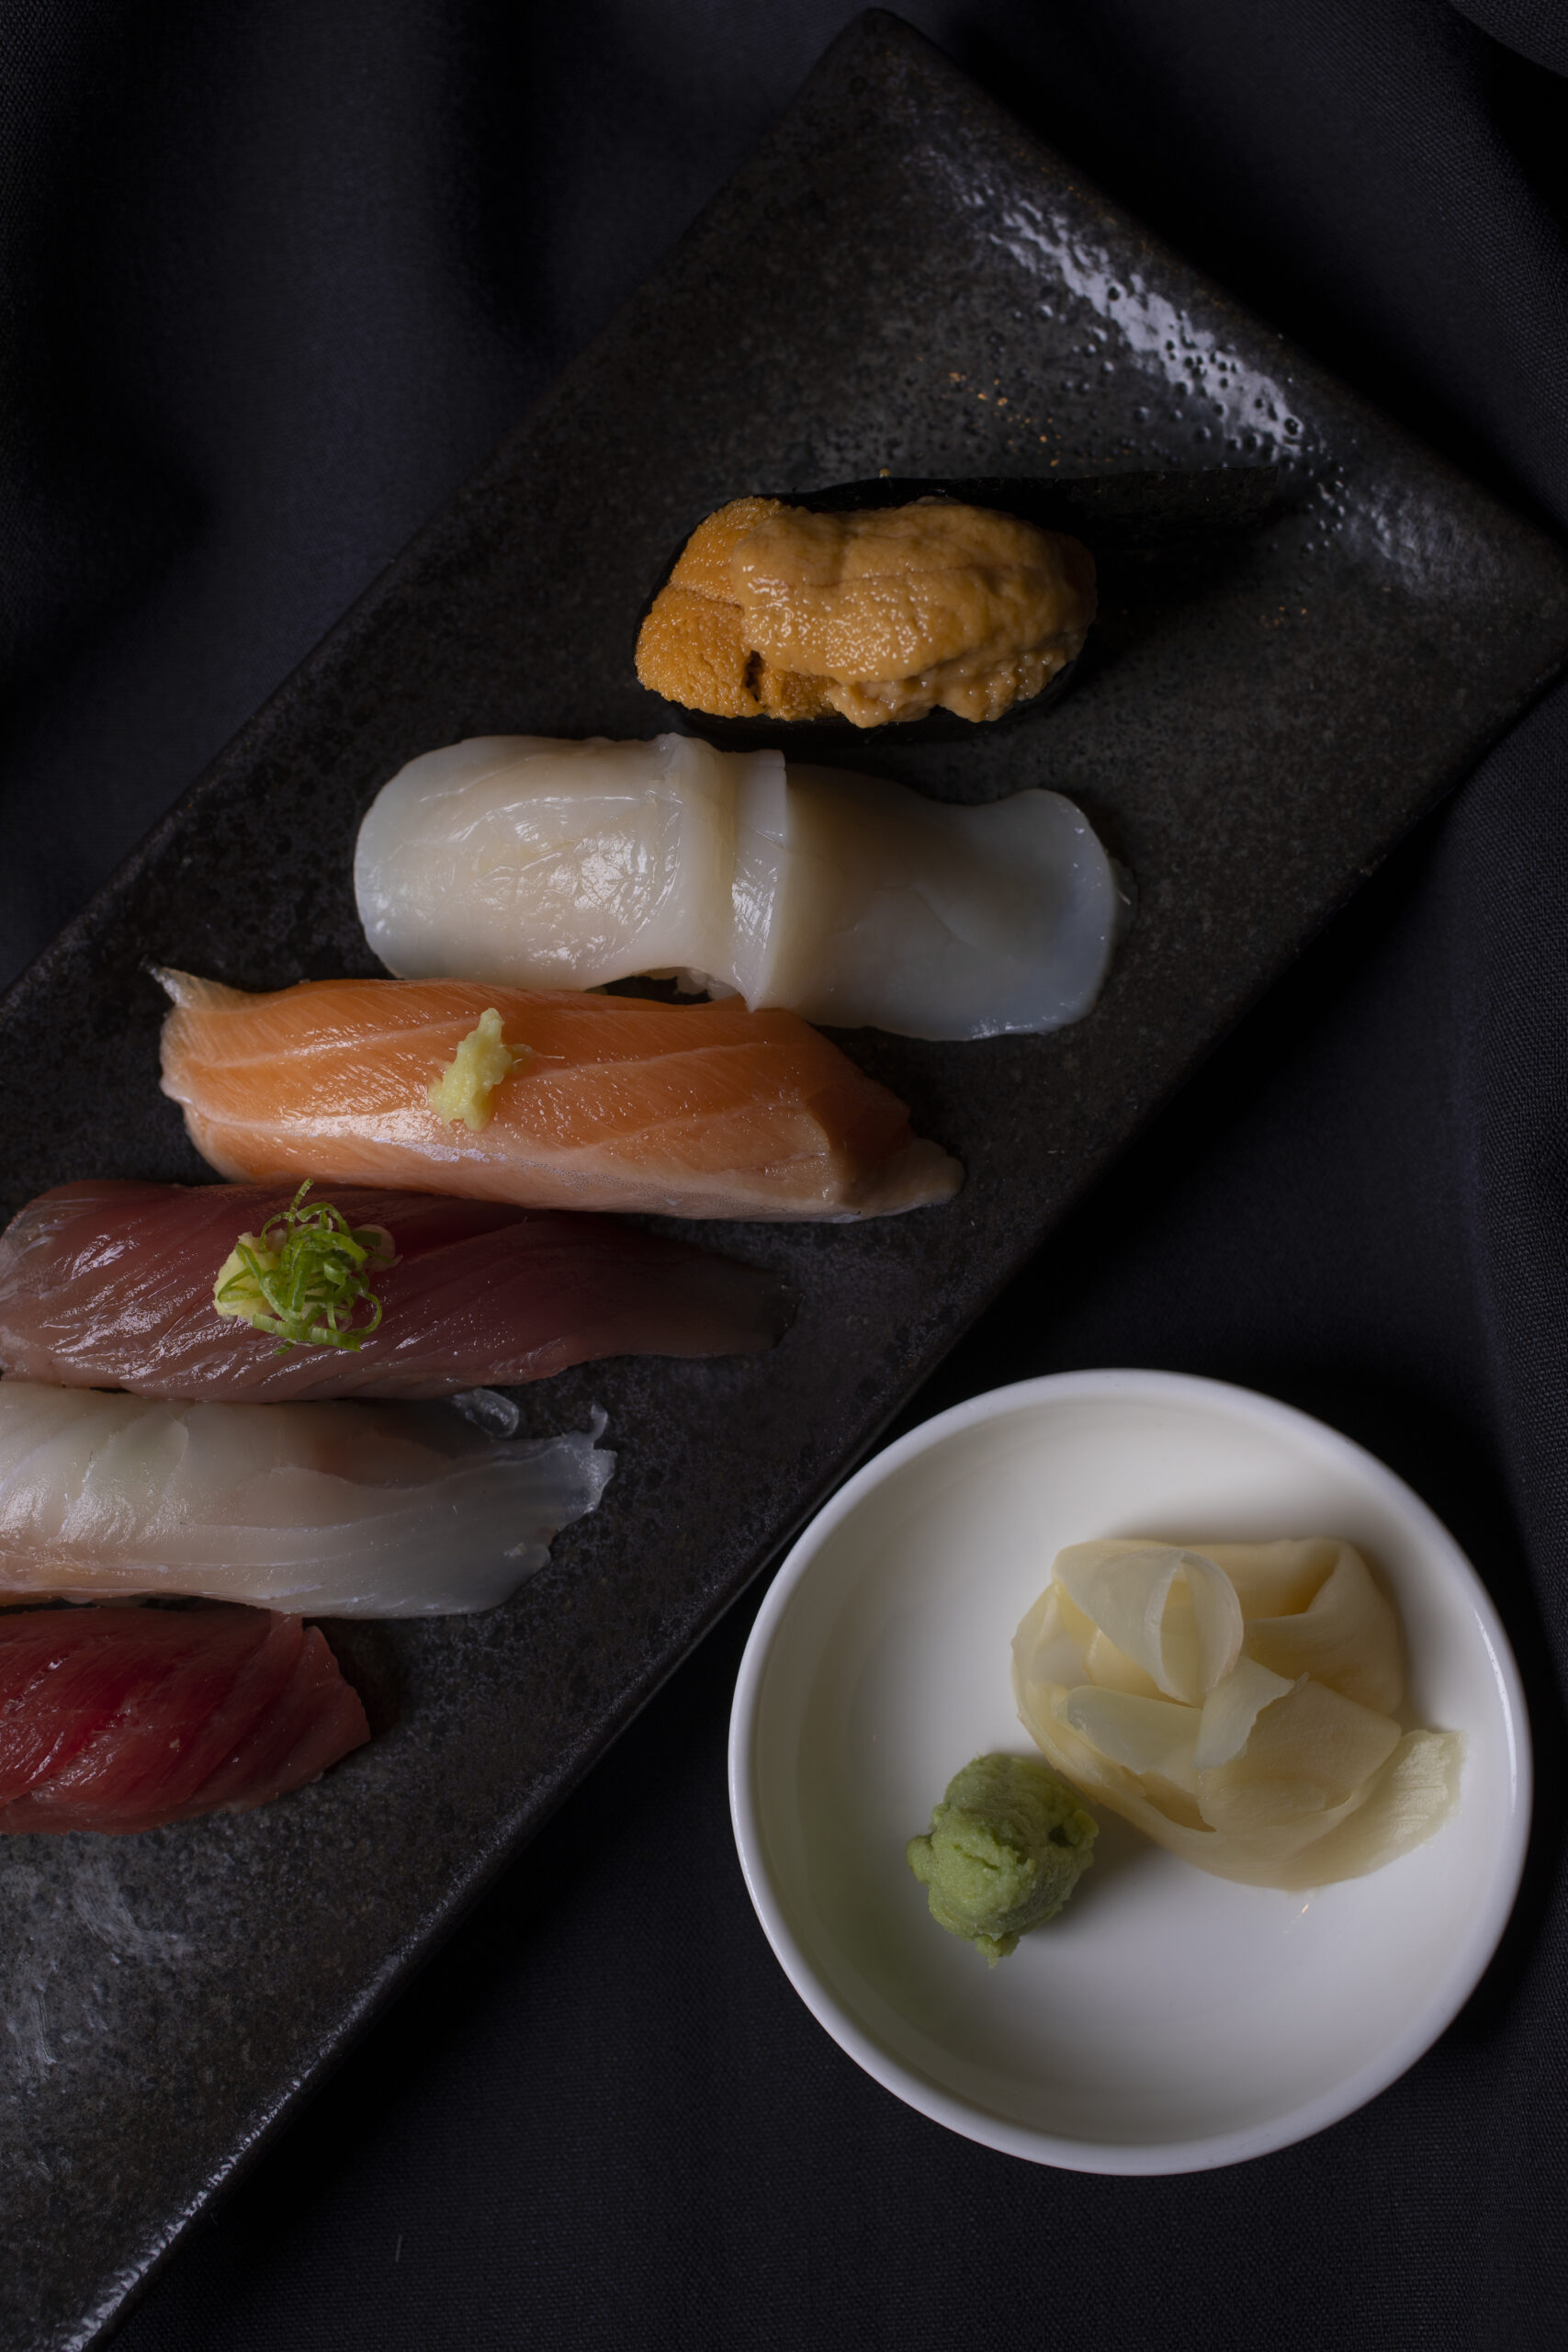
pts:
[550, 1099]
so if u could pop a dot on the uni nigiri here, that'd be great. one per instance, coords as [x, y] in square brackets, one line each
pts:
[336, 1510]
[877, 614]
[125, 1719]
[549, 1100]
[110, 1284]
[535, 864]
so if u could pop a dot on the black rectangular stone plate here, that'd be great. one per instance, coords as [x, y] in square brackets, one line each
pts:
[900, 279]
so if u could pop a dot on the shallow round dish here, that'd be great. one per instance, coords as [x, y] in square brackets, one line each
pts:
[1168, 2021]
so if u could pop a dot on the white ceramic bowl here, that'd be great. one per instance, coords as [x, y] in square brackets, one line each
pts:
[1168, 2021]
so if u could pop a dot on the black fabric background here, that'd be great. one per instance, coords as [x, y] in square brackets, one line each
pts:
[272, 279]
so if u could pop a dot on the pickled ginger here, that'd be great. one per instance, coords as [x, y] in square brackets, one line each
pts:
[1237, 1702]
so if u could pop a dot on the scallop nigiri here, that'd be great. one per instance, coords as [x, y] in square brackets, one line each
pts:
[334, 1511]
[843, 898]
[112, 1284]
[549, 1100]
[125, 1719]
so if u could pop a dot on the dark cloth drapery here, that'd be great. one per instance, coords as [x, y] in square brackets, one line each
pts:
[272, 281]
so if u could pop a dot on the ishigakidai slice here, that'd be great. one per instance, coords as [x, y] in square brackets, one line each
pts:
[316, 1510]
[1237, 1703]
[845, 899]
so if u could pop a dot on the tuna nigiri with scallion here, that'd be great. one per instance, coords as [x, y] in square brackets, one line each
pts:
[243, 1292]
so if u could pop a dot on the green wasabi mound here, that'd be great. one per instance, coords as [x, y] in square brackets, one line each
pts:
[1007, 1844]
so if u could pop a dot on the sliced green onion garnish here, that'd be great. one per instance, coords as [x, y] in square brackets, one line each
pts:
[305, 1276]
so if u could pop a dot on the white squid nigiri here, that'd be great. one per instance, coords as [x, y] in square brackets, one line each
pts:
[533, 864]
[319, 1509]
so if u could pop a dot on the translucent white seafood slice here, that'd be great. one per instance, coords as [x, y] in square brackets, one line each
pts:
[325, 1509]
[911, 915]
[520, 860]
[848, 900]
[1169, 1611]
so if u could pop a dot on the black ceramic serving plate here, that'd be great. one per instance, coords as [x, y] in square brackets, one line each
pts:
[900, 281]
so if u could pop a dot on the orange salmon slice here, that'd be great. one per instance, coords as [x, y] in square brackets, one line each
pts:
[621, 1102]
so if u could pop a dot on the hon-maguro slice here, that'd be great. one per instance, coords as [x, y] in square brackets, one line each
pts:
[108, 1283]
[125, 1719]
[620, 1102]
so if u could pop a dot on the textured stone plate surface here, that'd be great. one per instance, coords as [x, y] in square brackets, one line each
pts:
[902, 279]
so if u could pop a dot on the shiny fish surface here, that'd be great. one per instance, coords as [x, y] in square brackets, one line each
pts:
[109, 1283]
[336, 1510]
[116, 1719]
[845, 899]
[620, 1102]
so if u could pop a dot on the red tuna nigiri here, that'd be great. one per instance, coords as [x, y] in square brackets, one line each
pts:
[123, 1719]
[109, 1284]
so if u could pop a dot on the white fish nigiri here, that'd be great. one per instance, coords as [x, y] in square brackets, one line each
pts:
[320, 1509]
[523, 862]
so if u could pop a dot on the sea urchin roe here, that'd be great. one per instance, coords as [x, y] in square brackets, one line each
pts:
[1008, 1845]
[886, 614]
[466, 1087]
